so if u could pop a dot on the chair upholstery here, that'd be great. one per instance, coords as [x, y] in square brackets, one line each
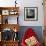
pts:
[29, 33]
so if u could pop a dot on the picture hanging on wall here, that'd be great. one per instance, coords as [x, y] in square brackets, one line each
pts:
[30, 13]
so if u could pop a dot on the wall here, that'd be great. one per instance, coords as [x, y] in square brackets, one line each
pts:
[30, 3]
[26, 3]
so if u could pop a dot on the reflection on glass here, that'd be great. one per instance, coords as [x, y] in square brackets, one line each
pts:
[9, 34]
[0, 36]
[0, 19]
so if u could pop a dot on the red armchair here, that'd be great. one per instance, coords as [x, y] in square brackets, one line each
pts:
[29, 34]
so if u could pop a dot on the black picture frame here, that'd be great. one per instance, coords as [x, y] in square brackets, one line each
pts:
[30, 13]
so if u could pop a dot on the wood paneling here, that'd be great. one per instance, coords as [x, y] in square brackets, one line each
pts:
[12, 43]
[44, 12]
[45, 22]
[11, 26]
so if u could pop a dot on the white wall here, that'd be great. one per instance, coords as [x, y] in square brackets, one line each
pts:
[26, 3]
[32, 3]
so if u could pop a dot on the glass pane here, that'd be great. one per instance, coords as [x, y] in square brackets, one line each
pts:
[0, 19]
[8, 34]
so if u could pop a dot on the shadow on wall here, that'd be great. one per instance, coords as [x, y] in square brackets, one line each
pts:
[37, 29]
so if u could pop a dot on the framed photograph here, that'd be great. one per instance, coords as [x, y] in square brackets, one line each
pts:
[30, 13]
[5, 12]
[13, 12]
